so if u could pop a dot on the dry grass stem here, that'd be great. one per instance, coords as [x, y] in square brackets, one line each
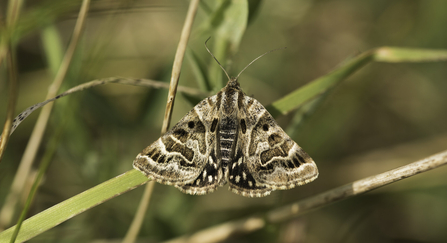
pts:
[14, 7]
[6, 51]
[134, 229]
[12, 14]
[357, 187]
[223, 231]
[178, 60]
[13, 90]
[250, 224]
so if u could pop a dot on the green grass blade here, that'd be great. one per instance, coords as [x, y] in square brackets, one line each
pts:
[229, 22]
[75, 205]
[52, 45]
[199, 70]
[300, 96]
[319, 86]
[397, 54]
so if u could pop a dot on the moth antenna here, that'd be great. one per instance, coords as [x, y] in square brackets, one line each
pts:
[257, 59]
[228, 76]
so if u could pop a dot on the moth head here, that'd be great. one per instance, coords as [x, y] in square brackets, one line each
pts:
[232, 82]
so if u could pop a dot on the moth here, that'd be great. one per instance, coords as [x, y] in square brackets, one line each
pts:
[229, 137]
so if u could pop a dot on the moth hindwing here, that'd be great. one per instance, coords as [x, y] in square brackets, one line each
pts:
[228, 137]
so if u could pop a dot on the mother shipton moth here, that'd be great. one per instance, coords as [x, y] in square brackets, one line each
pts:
[229, 137]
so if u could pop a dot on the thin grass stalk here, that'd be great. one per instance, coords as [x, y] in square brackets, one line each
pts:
[137, 221]
[178, 61]
[12, 100]
[46, 160]
[14, 7]
[6, 51]
[12, 14]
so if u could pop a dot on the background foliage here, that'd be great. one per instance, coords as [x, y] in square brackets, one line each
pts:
[384, 116]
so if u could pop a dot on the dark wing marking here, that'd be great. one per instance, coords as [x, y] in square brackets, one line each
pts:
[241, 180]
[211, 177]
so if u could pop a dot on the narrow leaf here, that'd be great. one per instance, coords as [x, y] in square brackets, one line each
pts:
[75, 205]
[319, 86]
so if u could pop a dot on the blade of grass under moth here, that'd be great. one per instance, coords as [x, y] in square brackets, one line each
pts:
[75, 205]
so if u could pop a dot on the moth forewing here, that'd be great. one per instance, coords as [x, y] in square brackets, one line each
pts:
[275, 160]
[179, 155]
[212, 174]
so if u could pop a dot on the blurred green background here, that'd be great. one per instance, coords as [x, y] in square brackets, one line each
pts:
[384, 116]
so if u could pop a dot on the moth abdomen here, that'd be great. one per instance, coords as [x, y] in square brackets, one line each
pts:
[227, 137]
